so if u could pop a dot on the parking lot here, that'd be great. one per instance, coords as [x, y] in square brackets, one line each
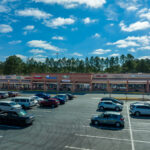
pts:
[68, 127]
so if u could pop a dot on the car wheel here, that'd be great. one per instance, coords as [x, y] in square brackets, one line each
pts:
[137, 113]
[101, 108]
[53, 106]
[96, 122]
[23, 107]
[117, 124]
[117, 108]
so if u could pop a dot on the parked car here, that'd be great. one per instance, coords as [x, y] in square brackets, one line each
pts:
[3, 94]
[140, 109]
[9, 106]
[62, 101]
[12, 94]
[112, 99]
[139, 102]
[110, 118]
[37, 99]
[43, 95]
[109, 105]
[62, 96]
[20, 118]
[52, 102]
[70, 96]
[25, 102]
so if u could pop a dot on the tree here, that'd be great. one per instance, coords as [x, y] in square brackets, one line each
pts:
[13, 65]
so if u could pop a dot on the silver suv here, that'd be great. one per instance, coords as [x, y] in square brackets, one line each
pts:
[109, 105]
[108, 117]
[140, 109]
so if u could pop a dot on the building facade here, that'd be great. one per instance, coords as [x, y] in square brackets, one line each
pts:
[76, 82]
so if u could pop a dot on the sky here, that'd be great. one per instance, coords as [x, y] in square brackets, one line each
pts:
[74, 28]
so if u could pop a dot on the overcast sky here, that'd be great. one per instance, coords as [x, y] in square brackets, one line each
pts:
[74, 28]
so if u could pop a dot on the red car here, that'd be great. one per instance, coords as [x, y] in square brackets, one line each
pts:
[52, 102]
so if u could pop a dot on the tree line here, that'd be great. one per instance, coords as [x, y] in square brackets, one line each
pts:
[123, 64]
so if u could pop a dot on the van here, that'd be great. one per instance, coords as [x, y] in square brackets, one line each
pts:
[25, 102]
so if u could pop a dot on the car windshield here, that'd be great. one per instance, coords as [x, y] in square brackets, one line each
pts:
[22, 113]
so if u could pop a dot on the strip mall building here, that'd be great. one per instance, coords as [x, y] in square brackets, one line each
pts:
[76, 82]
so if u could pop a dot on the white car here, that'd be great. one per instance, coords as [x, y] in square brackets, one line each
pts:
[25, 102]
[109, 105]
[37, 99]
[140, 109]
[9, 106]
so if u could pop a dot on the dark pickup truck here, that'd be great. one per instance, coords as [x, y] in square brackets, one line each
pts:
[20, 118]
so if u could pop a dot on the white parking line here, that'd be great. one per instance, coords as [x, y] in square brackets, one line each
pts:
[1, 136]
[107, 138]
[100, 137]
[130, 128]
[69, 147]
[40, 111]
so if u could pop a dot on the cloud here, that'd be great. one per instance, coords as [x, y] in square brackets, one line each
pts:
[15, 42]
[65, 3]
[43, 44]
[144, 48]
[145, 57]
[39, 58]
[101, 51]
[36, 51]
[96, 35]
[132, 50]
[58, 38]
[4, 28]
[4, 9]
[114, 55]
[21, 56]
[33, 12]
[124, 43]
[135, 26]
[74, 29]
[77, 54]
[111, 13]
[58, 22]
[88, 20]
[144, 13]
[128, 5]
[132, 41]
[29, 27]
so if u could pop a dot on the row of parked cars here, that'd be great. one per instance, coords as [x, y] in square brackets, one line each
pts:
[115, 117]
[4, 94]
[13, 111]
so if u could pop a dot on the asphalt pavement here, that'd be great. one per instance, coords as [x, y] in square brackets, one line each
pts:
[68, 127]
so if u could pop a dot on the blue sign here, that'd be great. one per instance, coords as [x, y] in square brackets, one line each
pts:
[49, 77]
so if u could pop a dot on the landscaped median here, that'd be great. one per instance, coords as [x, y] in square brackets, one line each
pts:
[132, 98]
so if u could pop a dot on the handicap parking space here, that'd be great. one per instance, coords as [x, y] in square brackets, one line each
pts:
[68, 127]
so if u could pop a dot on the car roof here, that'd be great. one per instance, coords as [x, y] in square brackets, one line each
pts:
[112, 113]
[106, 101]
[22, 97]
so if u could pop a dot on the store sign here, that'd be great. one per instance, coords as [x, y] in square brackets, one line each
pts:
[140, 76]
[65, 76]
[49, 77]
[27, 77]
[65, 80]
[18, 77]
[100, 76]
[37, 77]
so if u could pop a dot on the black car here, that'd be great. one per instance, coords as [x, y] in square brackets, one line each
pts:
[70, 96]
[12, 94]
[112, 99]
[43, 95]
[20, 118]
